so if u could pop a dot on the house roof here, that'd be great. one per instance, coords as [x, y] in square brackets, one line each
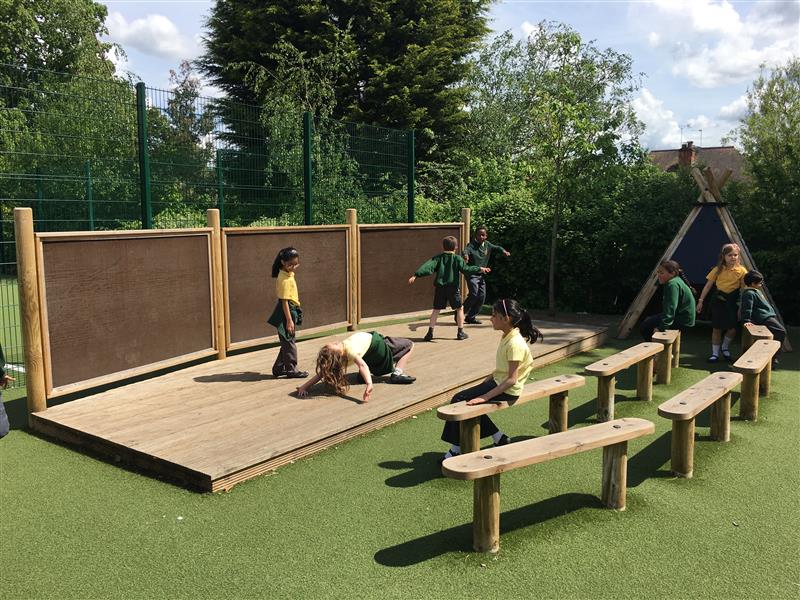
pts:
[718, 158]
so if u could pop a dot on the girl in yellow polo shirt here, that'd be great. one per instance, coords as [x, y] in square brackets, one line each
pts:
[513, 365]
[287, 314]
[728, 277]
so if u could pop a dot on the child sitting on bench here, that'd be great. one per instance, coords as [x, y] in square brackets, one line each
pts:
[756, 310]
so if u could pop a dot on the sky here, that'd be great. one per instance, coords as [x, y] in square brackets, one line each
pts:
[697, 57]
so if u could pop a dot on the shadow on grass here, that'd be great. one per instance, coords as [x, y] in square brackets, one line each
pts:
[419, 469]
[460, 538]
[647, 463]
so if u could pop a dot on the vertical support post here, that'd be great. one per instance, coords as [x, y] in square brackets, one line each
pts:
[748, 402]
[682, 452]
[486, 514]
[28, 283]
[220, 190]
[664, 364]
[747, 339]
[559, 412]
[466, 230]
[606, 385]
[354, 263]
[721, 419]
[644, 379]
[615, 476]
[676, 352]
[145, 193]
[89, 194]
[410, 159]
[765, 379]
[307, 172]
[213, 219]
[469, 435]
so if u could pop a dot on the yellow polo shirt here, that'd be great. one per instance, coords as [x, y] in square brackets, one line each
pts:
[729, 279]
[513, 347]
[357, 345]
[286, 287]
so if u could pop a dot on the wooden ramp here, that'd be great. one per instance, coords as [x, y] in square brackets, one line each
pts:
[213, 425]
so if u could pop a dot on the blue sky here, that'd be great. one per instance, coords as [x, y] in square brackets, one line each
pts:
[698, 57]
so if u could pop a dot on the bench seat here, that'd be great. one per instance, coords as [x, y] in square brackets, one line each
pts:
[756, 367]
[670, 356]
[752, 333]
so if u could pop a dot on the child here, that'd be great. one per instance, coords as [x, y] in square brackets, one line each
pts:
[756, 310]
[447, 267]
[4, 381]
[477, 253]
[727, 276]
[678, 306]
[513, 364]
[371, 352]
[287, 314]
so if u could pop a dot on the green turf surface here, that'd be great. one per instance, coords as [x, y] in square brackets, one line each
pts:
[373, 519]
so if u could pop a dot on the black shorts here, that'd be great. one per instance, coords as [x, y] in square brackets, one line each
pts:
[444, 294]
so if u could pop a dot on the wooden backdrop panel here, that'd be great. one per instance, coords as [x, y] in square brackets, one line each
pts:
[321, 278]
[389, 256]
[120, 303]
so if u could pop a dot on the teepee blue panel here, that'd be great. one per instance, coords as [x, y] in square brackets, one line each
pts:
[699, 250]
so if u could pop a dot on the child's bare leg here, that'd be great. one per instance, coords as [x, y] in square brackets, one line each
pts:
[434, 316]
[716, 337]
[401, 364]
[460, 317]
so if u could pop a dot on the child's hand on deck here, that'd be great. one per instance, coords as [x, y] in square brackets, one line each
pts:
[302, 392]
[367, 393]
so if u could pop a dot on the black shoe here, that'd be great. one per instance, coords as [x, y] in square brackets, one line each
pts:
[297, 375]
[428, 336]
[401, 378]
[472, 321]
[503, 441]
[726, 354]
[444, 457]
[713, 358]
[462, 335]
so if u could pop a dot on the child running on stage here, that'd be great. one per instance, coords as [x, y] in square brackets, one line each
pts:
[727, 276]
[287, 314]
[371, 352]
[478, 253]
[756, 310]
[678, 307]
[513, 364]
[447, 266]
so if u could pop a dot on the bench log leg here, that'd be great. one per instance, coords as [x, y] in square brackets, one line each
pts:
[644, 379]
[486, 514]
[747, 339]
[605, 397]
[470, 435]
[615, 475]
[766, 379]
[559, 409]
[683, 448]
[748, 403]
[676, 352]
[721, 419]
[664, 365]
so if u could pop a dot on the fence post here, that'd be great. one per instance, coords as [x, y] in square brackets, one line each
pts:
[410, 159]
[220, 191]
[89, 194]
[144, 156]
[307, 174]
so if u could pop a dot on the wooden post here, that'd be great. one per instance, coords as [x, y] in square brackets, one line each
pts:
[470, 435]
[766, 379]
[30, 311]
[683, 448]
[559, 411]
[747, 339]
[354, 264]
[605, 397]
[748, 402]
[664, 364]
[721, 419]
[676, 352]
[615, 475]
[486, 514]
[644, 379]
[466, 219]
[218, 296]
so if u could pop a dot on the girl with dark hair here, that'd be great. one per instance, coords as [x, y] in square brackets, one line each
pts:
[678, 307]
[287, 314]
[513, 365]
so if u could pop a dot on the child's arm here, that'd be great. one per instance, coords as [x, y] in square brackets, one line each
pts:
[669, 307]
[706, 288]
[513, 369]
[470, 269]
[500, 248]
[363, 369]
[287, 315]
[747, 307]
[302, 391]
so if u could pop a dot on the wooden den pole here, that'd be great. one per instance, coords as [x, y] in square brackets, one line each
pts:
[213, 220]
[30, 311]
[683, 448]
[615, 475]
[748, 403]
[486, 514]
[466, 219]
[721, 419]
[559, 412]
[644, 379]
[469, 435]
[354, 263]
[606, 385]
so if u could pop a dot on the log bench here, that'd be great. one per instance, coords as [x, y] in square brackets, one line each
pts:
[469, 417]
[714, 391]
[756, 367]
[606, 370]
[752, 333]
[485, 466]
[670, 356]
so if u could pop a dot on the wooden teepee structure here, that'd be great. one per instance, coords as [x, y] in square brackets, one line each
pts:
[696, 245]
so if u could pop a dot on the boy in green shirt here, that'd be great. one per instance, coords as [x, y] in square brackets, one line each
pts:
[755, 310]
[478, 253]
[447, 267]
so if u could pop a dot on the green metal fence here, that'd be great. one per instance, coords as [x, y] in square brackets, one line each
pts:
[92, 154]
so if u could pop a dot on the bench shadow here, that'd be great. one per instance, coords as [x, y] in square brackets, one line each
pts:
[459, 538]
[233, 376]
[647, 463]
[419, 469]
[587, 412]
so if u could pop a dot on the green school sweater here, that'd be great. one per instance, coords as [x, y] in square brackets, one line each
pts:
[755, 307]
[679, 307]
[479, 254]
[447, 267]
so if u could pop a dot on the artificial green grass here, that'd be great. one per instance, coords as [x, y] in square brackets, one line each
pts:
[372, 518]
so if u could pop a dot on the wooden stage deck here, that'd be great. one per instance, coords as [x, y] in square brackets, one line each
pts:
[216, 424]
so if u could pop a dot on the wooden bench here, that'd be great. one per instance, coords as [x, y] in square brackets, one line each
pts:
[606, 369]
[485, 467]
[469, 417]
[752, 333]
[670, 356]
[714, 390]
[756, 367]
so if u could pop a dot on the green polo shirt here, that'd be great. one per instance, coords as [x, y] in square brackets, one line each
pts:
[446, 266]
[755, 307]
[479, 254]
[679, 307]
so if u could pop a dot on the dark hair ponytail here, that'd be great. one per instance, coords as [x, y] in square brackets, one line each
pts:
[520, 318]
[284, 255]
[672, 267]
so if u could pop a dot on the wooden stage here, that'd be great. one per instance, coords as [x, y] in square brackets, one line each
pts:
[216, 424]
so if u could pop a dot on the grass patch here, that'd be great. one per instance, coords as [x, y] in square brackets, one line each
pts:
[372, 517]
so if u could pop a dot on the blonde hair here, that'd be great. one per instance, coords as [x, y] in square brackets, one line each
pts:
[724, 251]
[332, 369]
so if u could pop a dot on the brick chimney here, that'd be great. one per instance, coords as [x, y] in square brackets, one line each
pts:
[687, 154]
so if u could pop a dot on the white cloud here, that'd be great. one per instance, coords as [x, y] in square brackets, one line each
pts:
[653, 39]
[735, 110]
[118, 59]
[154, 34]
[661, 126]
[700, 122]
[527, 28]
